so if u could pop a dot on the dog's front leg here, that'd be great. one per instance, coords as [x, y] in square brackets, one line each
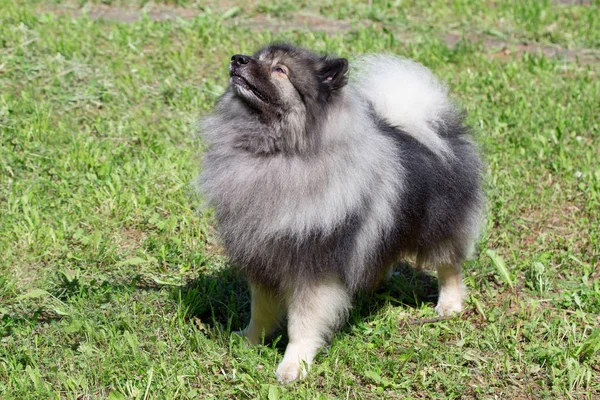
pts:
[315, 310]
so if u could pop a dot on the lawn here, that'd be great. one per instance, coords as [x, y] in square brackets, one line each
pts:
[113, 283]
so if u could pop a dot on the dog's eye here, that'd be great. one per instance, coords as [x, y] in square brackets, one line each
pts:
[278, 69]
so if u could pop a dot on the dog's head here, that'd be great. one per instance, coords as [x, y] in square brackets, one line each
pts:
[283, 79]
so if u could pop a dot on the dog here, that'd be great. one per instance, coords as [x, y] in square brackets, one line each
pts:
[322, 178]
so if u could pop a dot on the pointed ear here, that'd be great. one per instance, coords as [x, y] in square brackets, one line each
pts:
[333, 73]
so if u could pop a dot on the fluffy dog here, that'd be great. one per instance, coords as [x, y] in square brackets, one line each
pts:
[321, 184]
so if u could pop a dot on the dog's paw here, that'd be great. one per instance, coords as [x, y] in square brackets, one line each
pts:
[448, 307]
[288, 372]
[450, 301]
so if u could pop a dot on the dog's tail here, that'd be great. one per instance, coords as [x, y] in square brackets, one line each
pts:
[407, 95]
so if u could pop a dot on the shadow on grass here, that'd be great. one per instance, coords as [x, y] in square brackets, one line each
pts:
[409, 287]
[51, 305]
[221, 301]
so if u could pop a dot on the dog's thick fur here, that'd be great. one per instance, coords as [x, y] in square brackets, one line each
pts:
[321, 184]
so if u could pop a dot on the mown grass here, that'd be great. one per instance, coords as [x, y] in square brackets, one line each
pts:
[112, 285]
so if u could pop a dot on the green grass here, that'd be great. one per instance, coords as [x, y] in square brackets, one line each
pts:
[113, 285]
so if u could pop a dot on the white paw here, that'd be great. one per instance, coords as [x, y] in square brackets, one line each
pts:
[444, 310]
[449, 306]
[288, 372]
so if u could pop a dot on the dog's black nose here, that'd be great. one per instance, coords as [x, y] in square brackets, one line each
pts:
[240, 59]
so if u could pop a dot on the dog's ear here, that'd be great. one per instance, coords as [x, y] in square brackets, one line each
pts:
[333, 73]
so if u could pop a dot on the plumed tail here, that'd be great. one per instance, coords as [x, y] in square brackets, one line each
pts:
[407, 95]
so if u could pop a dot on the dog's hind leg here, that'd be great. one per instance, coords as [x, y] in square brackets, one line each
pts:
[448, 260]
[452, 289]
[315, 310]
[266, 312]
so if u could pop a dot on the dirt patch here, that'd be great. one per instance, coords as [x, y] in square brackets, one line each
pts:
[304, 21]
[505, 50]
[132, 15]
[130, 239]
[123, 14]
[313, 22]
[256, 23]
[574, 2]
[556, 222]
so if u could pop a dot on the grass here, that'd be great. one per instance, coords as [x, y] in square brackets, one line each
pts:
[112, 285]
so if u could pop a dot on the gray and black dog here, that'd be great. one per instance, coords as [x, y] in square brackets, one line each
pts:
[321, 183]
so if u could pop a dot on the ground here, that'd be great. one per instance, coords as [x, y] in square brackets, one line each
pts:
[113, 283]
